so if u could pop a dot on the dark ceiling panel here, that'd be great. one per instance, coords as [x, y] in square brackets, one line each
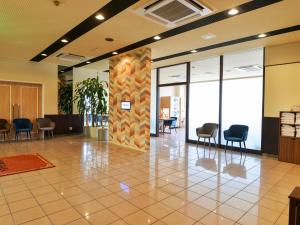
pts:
[108, 11]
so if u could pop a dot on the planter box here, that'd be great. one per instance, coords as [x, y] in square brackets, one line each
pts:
[99, 133]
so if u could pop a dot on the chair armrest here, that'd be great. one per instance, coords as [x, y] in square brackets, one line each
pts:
[199, 130]
[226, 133]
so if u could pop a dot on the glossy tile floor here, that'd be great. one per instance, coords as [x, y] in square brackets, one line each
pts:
[174, 183]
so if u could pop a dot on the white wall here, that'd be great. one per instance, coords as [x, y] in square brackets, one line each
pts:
[33, 72]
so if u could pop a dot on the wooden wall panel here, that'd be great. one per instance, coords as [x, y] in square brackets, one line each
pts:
[5, 102]
[29, 103]
[129, 80]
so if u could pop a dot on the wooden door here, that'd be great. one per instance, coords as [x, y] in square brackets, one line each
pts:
[5, 102]
[29, 103]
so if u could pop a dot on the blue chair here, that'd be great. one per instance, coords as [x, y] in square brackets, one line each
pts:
[22, 125]
[236, 133]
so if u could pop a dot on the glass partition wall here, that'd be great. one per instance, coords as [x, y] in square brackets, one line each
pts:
[241, 94]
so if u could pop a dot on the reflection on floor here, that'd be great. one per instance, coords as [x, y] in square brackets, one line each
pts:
[178, 135]
[174, 183]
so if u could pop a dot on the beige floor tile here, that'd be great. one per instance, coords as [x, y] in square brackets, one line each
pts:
[159, 223]
[248, 197]
[28, 215]
[207, 203]
[218, 196]
[119, 222]
[4, 210]
[198, 188]
[140, 218]
[171, 189]
[249, 219]
[79, 199]
[79, 222]
[55, 206]
[158, 195]
[49, 197]
[282, 220]
[89, 207]
[132, 193]
[64, 216]
[40, 221]
[265, 213]
[158, 210]
[68, 192]
[110, 200]
[239, 204]
[18, 196]
[42, 190]
[7, 220]
[23, 204]
[178, 218]
[229, 212]
[194, 211]
[102, 218]
[273, 205]
[215, 219]
[188, 196]
[142, 201]
[98, 193]
[174, 202]
[123, 209]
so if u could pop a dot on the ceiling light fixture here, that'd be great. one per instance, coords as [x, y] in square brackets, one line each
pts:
[208, 36]
[193, 51]
[157, 37]
[99, 17]
[115, 53]
[262, 36]
[87, 62]
[44, 54]
[233, 12]
[64, 40]
[62, 71]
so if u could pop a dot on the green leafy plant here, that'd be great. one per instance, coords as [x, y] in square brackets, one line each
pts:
[91, 98]
[65, 101]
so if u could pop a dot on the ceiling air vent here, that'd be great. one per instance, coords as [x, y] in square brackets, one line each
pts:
[249, 68]
[174, 12]
[71, 57]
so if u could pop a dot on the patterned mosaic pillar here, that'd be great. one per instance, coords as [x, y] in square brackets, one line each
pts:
[130, 80]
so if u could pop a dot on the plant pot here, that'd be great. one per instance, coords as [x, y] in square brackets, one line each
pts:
[98, 133]
[102, 133]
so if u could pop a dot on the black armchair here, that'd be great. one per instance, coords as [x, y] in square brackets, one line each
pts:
[22, 125]
[236, 133]
[207, 131]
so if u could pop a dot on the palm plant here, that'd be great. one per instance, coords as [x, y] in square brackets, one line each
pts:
[91, 97]
[65, 103]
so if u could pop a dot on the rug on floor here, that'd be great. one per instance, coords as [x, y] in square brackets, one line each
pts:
[23, 163]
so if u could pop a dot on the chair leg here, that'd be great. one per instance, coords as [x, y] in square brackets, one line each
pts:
[226, 146]
[52, 133]
[209, 142]
[204, 143]
[231, 145]
[245, 146]
[16, 136]
[29, 134]
[198, 142]
[215, 142]
[240, 147]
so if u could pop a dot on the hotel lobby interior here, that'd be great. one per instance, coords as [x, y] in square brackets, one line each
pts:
[163, 112]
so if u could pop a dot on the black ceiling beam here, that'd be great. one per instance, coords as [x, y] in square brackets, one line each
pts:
[244, 8]
[108, 11]
[232, 42]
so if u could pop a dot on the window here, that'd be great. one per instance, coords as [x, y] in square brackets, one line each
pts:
[242, 94]
[173, 74]
[153, 103]
[204, 94]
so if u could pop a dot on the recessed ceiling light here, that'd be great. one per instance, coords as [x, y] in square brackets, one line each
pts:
[193, 51]
[157, 37]
[262, 35]
[44, 54]
[100, 17]
[109, 39]
[62, 71]
[115, 53]
[87, 62]
[208, 36]
[64, 40]
[233, 12]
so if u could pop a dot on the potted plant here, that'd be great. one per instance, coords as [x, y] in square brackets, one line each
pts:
[91, 100]
[65, 98]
